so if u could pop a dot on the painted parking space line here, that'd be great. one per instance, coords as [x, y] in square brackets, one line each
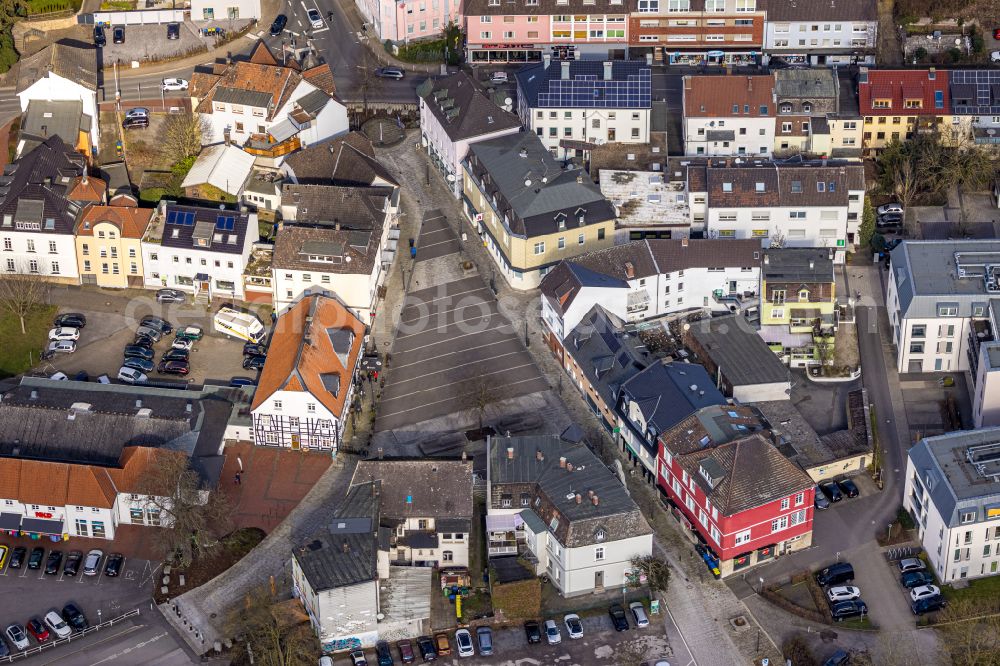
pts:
[427, 359]
[435, 389]
[425, 405]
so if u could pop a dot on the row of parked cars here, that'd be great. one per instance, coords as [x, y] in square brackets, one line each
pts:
[925, 596]
[140, 354]
[834, 491]
[430, 648]
[53, 623]
[845, 600]
[19, 557]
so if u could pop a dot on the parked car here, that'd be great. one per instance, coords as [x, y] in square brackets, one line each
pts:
[190, 332]
[237, 382]
[17, 557]
[639, 614]
[390, 73]
[848, 487]
[162, 325]
[57, 625]
[924, 591]
[71, 320]
[532, 631]
[831, 490]
[835, 574]
[135, 123]
[499, 77]
[996, 34]
[253, 362]
[995, 56]
[99, 38]
[62, 346]
[53, 561]
[618, 618]
[138, 351]
[37, 555]
[64, 333]
[426, 646]
[384, 654]
[927, 604]
[173, 31]
[148, 332]
[820, 500]
[140, 364]
[114, 564]
[74, 617]
[16, 636]
[573, 625]
[358, 658]
[552, 634]
[406, 651]
[463, 639]
[173, 85]
[92, 565]
[37, 629]
[441, 644]
[843, 593]
[118, 34]
[131, 375]
[839, 658]
[169, 296]
[889, 208]
[175, 354]
[187, 344]
[315, 19]
[889, 221]
[254, 349]
[912, 579]
[484, 636]
[846, 609]
[911, 564]
[280, 21]
[173, 368]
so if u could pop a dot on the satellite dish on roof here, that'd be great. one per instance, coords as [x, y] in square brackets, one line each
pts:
[450, 177]
[527, 182]
[347, 259]
[687, 327]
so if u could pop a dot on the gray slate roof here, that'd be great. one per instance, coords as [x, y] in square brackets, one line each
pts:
[605, 357]
[330, 205]
[575, 524]
[240, 96]
[502, 166]
[953, 484]
[798, 264]
[804, 10]
[462, 108]
[738, 351]
[436, 488]
[62, 118]
[72, 60]
[33, 189]
[347, 160]
[806, 83]
[926, 275]
[205, 219]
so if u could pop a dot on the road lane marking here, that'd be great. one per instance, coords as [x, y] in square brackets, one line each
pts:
[104, 639]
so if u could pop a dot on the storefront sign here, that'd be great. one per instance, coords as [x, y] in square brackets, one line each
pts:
[765, 553]
[741, 561]
[42, 514]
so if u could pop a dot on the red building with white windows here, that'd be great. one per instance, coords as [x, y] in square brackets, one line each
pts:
[733, 486]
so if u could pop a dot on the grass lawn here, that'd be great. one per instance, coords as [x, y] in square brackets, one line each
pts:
[19, 352]
[979, 589]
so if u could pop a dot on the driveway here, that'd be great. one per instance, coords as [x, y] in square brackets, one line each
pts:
[450, 339]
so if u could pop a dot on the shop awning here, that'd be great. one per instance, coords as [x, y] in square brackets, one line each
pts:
[10, 521]
[42, 526]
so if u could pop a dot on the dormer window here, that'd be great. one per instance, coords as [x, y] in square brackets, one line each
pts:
[882, 104]
[807, 107]
[786, 108]
[600, 535]
[913, 103]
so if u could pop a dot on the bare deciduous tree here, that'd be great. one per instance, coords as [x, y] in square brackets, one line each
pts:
[481, 395]
[194, 519]
[971, 631]
[656, 570]
[275, 631]
[905, 183]
[21, 294]
[181, 135]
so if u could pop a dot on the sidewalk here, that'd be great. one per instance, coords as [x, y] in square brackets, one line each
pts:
[371, 42]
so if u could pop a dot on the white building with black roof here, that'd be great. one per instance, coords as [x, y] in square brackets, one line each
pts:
[553, 502]
[199, 250]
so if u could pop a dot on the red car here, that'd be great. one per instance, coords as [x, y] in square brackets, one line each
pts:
[172, 368]
[996, 33]
[406, 651]
[37, 629]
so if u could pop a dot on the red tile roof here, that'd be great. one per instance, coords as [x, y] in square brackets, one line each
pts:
[130, 220]
[898, 86]
[714, 96]
[302, 352]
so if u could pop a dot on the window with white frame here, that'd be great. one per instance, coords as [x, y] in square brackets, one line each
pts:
[599, 553]
[742, 537]
[779, 524]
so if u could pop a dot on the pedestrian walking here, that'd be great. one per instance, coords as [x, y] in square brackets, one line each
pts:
[238, 479]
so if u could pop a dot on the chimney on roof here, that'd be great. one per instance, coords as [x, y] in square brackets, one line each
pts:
[538, 455]
[749, 84]
[138, 404]
[629, 270]
[523, 153]
[579, 499]
[546, 60]
[767, 259]
[596, 500]
[562, 459]
[829, 255]
[684, 242]
[565, 69]
[187, 407]
[381, 451]
[569, 467]
[83, 178]
[687, 83]
[465, 456]
[34, 396]
[590, 493]
[510, 453]
[608, 67]
[229, 57]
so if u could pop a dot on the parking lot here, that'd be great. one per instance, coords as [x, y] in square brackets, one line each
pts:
[451, 337]
[149, 42]
[99, 349]
[600, 645]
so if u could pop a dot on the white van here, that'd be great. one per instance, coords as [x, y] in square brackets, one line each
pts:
[242, 325]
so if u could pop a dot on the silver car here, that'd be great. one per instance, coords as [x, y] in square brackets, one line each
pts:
[843, 593]
[62, 346]
[92, 565]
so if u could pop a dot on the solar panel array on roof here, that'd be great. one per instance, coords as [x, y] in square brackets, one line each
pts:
[181, 218]
[225, 223]
[987, 91]
[591, 91]
[611, 341]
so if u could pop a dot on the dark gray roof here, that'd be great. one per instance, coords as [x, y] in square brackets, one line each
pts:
[738, 351]
[453, 524]
[421, 488]
[800, 184]
[72, 60]
[841, 10]
[574, 524]
[509, 570]
[586, 86]
[62, 118]
[209, 221]
[343, 251]
[240, 96]
[810, 83]
[312, 103]
[346, 552]
[462, 108]
[331, 205]
[347, 160]
[33, 189]
[552, 194]
[847, 106]
[926, 274]
[605, 356]
[565, 282]
[117, 178]
[955, 485]
[798, 264]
